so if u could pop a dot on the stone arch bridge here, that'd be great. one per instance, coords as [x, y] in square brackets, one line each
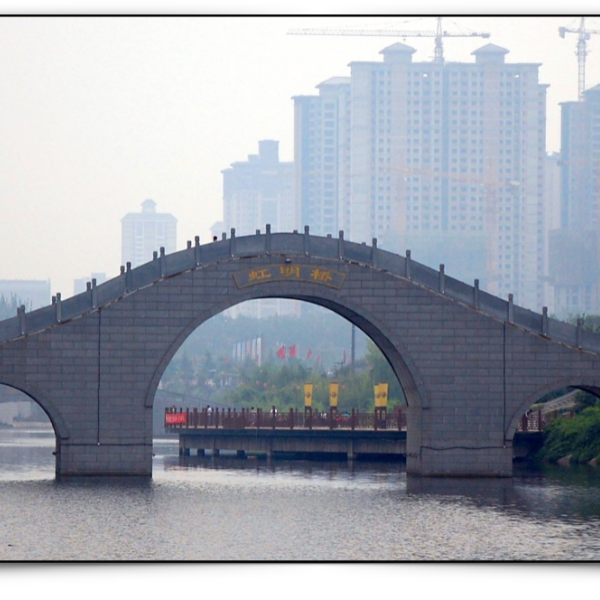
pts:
[470, 363]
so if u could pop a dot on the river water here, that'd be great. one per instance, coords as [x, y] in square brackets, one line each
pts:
[224, 509]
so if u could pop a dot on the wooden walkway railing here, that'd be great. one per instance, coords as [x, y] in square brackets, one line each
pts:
[180, 419]
[177, 419]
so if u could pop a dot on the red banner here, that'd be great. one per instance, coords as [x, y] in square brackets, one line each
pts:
[175, 418]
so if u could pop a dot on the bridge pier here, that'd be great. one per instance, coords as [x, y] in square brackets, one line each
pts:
[441, 444]
[461, 462]
[112, 459]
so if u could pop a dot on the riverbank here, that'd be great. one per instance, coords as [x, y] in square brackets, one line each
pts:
[574, 440]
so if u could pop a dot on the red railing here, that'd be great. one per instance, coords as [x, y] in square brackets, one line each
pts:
[180, 419]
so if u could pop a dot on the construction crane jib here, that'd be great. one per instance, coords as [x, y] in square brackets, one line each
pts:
[583, 35]
[438, 34]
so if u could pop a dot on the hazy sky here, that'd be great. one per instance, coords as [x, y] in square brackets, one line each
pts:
[98, 114]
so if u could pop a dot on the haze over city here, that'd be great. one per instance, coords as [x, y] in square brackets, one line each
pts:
[101, 114]
[398, 415]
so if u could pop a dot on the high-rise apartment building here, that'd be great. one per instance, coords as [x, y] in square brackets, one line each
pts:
[574, 267]
[552, 191]
[322, 156]
[258, 192]
[146, 232]
[443, 158]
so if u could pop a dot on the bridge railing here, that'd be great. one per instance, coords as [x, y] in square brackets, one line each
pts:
[293, 244]
[178, 419]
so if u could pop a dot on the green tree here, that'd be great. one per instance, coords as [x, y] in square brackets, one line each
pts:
[382, 372]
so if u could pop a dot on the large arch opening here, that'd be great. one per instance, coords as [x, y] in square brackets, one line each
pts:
[258, 355]
[28, 440]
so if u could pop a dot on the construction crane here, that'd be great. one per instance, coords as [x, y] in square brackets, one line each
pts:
[583, 35]
[438, 34]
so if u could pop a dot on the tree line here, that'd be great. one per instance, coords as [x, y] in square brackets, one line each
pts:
[247, 385]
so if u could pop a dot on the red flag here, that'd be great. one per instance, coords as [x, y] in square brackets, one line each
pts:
[293, 351]
[309, 354]
[281, 352]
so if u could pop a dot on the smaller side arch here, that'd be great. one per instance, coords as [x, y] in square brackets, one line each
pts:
[593, 387]
[60, 428]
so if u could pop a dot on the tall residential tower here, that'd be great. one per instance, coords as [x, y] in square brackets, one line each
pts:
[146, 232]
[258, 192]
[445, 159]
[574, 247]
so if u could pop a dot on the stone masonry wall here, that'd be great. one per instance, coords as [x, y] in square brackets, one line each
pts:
[468, 376]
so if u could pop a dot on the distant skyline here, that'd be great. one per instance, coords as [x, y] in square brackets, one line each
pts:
[100, 114]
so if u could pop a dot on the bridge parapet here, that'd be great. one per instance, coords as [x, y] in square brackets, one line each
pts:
[294, 244]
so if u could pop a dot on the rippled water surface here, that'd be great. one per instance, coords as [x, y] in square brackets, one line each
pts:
[232, 509]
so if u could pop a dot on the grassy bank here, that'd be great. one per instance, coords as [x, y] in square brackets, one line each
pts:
[577, 437]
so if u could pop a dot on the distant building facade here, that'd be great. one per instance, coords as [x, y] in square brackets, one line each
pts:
[552, 192]
[258, 192]
[443, 158]
[322, 157]
[146, 232]
[574, 264]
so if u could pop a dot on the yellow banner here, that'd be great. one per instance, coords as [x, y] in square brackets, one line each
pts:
[334, 389]
[308, 394]
[383, 395]
[376, 390]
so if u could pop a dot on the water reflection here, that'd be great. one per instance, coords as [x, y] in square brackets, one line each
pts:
[228, 508]
[536, 492]
[322, 468]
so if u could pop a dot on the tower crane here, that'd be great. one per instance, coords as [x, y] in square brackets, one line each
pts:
[438, 34]
[583, 35]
